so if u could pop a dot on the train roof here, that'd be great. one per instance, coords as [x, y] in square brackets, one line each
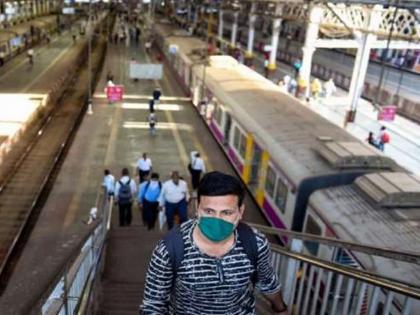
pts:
[300, 141]
[189, 47]
[362, 213]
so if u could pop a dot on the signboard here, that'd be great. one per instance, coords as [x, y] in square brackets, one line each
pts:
[68, 10]
[115, 93]
[387, 113]
[173, 49]
[267, 48]
[10, 10]
[149, 71]
[17, 41]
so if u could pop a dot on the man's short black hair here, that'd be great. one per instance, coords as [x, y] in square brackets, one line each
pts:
[155, 176]
[125, 172]
[220, 184]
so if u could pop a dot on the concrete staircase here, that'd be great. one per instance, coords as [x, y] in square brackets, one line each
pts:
[120, 298]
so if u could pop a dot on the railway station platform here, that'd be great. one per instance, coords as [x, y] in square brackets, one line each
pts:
[405, 134]
[113, 137]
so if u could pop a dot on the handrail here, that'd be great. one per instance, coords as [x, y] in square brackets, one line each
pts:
[362, 275]
[405, 256]
[71, 271]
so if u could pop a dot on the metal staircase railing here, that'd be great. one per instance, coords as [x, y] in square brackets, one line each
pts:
[313, 286]
[70, 294]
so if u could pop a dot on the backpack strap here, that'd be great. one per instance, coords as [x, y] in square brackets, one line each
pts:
[175, 246]
[249, 242]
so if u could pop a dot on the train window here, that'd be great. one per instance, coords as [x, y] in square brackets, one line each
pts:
[219, 113]
[312, 228]
[281, 195]
[236, 138]
[242, 146]
[270, 182]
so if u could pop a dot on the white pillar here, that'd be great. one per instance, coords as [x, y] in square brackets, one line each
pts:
[275, 37]
[315, 16]
[220, 29]
[362, 57]
[234, 29]
[251, 32]
[189, 18]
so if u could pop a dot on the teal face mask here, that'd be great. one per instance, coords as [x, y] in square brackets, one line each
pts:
[215, 229]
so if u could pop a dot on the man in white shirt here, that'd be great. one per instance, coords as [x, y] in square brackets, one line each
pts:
[108, 183]
[174, 197]
[197, 168]
[125, 190]
[144, 166]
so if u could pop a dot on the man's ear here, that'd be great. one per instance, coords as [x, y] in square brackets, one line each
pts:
[241, 211]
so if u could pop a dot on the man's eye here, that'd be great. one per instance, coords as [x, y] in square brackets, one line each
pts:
[208, 211]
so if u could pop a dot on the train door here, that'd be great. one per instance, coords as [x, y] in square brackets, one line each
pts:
[255, 167]
[227, 128]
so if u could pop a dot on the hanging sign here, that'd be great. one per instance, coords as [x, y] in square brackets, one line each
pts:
[387, 113]
[115, 93]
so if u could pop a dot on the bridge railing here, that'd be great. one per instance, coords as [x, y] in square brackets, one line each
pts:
[312, 285]
[71, 293]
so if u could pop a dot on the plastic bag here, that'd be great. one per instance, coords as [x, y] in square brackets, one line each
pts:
[162, 219]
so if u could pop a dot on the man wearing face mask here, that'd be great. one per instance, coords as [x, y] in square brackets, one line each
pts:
[211, 264]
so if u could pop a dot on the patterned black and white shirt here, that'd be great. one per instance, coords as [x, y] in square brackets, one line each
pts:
[207, 285]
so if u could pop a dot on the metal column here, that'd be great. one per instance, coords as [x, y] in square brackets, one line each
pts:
[220, 29]
[234, 30]
[251, 32]
[362, 59]
[275, 37]
[315, 15]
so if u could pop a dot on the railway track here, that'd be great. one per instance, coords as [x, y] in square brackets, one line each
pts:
[26, 189]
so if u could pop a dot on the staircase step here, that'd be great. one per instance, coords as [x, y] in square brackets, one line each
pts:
[120, 306]
[110, 312]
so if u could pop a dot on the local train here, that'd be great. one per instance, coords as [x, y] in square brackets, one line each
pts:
[305, 173]
[15, 39]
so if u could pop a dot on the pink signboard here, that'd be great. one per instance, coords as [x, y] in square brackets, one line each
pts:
[115, 93]
[387, 113]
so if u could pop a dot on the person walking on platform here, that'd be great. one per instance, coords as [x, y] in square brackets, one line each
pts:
[144, 166]
[125, 189]
[108, 183]
[152, 120]
[201, 259]
[2, 55]
[148, 199]
[31, 56]
[196, 168]
[382, 138]
[152, 105]
[156, 95]
[174, 198]
[371, 139]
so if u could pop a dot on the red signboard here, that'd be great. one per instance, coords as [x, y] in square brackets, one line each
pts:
[115, 93]
[387, 113]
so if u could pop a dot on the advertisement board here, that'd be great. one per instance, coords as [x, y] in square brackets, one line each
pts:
[387, 113]
[115, 93]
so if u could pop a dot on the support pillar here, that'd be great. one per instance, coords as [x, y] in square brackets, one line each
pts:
[275, 38]
[315, 16]
[234, 30]
[251, 34]
[361, 62]
[220, 29]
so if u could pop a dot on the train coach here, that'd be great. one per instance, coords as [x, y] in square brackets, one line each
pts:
[282, 150]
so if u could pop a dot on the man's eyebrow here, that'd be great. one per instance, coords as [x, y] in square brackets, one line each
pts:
[228, 209]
